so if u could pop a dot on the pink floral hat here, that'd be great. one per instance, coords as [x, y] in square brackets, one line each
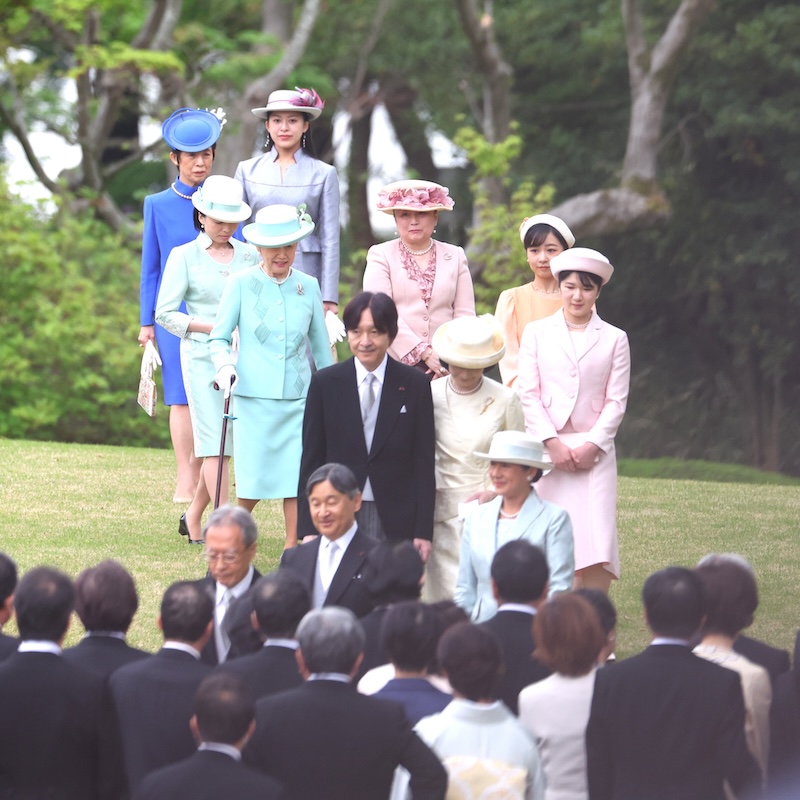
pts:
[414, 195]
[297, 99]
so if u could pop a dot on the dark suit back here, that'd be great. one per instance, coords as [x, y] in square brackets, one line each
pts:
[784, 726]
[666, 724]
[103, 654]
[271, 670]
[774, 660]
[351, 745]
[400, 464]
[374, 652]
[8, 645]
[154, 698]
[513, 630]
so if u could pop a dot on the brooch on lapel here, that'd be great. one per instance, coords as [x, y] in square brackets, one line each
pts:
[447, 256]
[300, 289]
[486, 404]
[225, 273]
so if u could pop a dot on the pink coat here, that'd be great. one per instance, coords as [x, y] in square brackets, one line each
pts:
[452, 294]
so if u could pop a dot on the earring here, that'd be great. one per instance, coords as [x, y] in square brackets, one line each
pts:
[434, 230]
[267, 142]
[303, 141]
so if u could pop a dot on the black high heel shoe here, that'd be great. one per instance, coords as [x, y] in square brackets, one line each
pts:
[195, 541]
[183, 528]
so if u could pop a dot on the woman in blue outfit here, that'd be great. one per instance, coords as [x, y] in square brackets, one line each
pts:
[516, 463]
[277, 310]
[192, 136]
[289, 173]
[194, 278]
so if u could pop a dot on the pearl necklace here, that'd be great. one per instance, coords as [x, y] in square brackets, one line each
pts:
[458, 391]
[277, 281]
[576, 327]
[545, 291]
[508, 516]
[180, 194]
[416, 252]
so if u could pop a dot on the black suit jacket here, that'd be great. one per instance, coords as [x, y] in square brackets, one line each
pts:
[513, 630]
[208, 775]
[8, 645]
[400, 462]
[103, 654]
[784, 727]
[774, 660]
[374, 652]
[346, 589]
[56, 739]
[666, 724]
[154, 699]
[351, 745]
[272, 669]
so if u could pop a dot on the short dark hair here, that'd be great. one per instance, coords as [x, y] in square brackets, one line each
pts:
[224, 708]
[520, 572]
[410, 633]
[330, 639]
[603, 606]
[8, 577]
[731, 595]
[447, 614]
[568, 634]
[380, 305]
[186, 609]
[536, 234]
[674, 601]
[44, 600]
[338, 475]
[392, 572]
[280, 600]
[198, 226]
[106, 598]
[587, 279]
[472, 659]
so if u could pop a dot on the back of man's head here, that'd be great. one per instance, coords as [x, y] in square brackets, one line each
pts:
[410, 632]
[224, 708]
[280, 600]
[674, 602]
[8, 577]
[330, 640]
[186, 609]
[520, 572]
[393, 573]
[106, 598]
[44, 600]
[471, 657]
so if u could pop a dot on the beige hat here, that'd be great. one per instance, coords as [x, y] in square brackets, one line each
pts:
[469, 342]
[547, 219]
[582, 259]
[220, 198]
[297, 99]
[278, 225]
[516, 447]
[414, 195]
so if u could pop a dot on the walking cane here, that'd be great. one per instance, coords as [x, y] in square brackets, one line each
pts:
[226, 415]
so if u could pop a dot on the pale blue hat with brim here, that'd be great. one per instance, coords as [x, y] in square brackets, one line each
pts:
[278, 225]
[191, 130]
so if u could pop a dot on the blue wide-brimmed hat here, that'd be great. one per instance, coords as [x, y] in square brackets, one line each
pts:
[191, 130]
[278, 225]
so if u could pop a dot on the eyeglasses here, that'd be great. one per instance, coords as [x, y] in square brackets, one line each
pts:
[226, 557]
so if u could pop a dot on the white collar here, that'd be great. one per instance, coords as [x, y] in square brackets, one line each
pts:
[219, 747]
[340, 677]
[343, 541]
[172, 644]
[289, 643]
[104, 635]
[379, 372]
[522, 607]
[238, 590]
[669, 640]
[39, 646]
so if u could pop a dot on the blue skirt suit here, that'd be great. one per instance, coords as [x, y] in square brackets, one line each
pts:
[167, 224]
[194, 279]
[275, 322]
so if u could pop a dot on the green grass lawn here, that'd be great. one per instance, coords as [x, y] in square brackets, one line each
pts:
[71, 506]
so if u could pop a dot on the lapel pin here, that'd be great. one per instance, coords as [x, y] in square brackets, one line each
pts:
[300, 289]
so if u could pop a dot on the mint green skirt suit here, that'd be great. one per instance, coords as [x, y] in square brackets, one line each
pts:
[191, 275]
[275, 321]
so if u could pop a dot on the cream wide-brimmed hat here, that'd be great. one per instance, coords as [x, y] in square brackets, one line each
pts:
[582, 259]
[414, 195]
[220, 198]
[516, 447]
[297, 99]
[469, 342]
[547, 219]
[278, 225]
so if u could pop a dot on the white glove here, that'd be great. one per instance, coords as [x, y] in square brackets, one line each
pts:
[335, 327]
[226, 379]
[150, 358]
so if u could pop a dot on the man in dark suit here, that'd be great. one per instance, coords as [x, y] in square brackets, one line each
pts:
[280, 600]
[56, 736]
[666, 723]
[374, 415]
[154, 696]
[231, 535]
[223, 721]
[105, 602]
[330, 565]
[324, 739]
[520, 582]
[8, 583]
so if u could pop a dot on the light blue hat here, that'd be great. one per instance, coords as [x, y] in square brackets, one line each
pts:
[278, 225]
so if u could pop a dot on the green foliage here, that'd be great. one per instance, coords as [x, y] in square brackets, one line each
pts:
[693, 470]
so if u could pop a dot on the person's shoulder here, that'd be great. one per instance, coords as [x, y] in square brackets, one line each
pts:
[157, 198]
[249, 165]
[384, 248]
[408, 374]
[335, 371]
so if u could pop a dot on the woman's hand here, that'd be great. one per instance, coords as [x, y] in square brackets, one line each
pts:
[423, 547]
[433, 364]
[561, 456]
[586, 455]
[147, 333]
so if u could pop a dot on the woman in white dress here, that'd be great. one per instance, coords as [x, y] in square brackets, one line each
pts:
[468, 410]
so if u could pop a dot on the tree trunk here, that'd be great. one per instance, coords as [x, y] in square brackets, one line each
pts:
[399, 101]
[357, 174]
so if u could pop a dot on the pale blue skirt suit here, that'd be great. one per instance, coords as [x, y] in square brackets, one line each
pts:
[275, 321]
[544, 524]
[193, 277]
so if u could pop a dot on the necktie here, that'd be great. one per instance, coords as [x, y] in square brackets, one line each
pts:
[330, 567]
[224, 639]
[368, 398]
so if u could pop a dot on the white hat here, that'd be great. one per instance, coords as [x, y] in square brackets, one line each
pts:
[414, 195]
[469, 342]
[582, 259]
[297, 99]
[220, 198]
[547, 219]
[278, 225]
[516, 447]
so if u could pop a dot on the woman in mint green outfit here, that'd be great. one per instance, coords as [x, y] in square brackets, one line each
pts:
[197, 273]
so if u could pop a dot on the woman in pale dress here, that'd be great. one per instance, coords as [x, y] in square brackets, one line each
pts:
[543, 236]
[428, 280]
[468, 410]
[574, 376]
[555, 711]
[197, 273]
